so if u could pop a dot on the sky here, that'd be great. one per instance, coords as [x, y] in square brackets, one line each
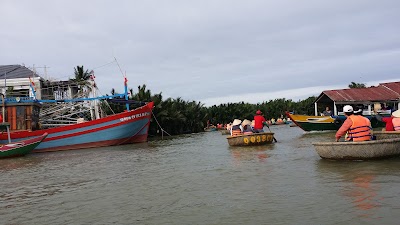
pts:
[209, 51]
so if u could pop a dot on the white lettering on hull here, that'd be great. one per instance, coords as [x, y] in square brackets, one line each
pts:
[139, 115]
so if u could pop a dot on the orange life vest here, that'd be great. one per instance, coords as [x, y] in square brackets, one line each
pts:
[396, 123]
[236, 130]
[360, 130]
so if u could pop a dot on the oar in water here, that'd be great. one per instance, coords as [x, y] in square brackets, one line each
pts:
[266, 124]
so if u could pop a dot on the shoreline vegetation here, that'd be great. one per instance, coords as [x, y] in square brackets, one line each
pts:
[177, 116]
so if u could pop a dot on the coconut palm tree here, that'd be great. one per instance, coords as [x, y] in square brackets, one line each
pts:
[82, 78]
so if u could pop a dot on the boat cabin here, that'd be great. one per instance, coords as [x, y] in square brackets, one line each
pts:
[22, 116]
[383, 99]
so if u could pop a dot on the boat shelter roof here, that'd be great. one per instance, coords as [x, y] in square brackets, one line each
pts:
[384, 92]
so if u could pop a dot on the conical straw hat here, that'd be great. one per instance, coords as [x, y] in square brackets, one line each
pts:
[236, 122]
[396, 113]
[246, 122]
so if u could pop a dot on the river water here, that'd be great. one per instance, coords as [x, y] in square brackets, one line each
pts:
[200, 179]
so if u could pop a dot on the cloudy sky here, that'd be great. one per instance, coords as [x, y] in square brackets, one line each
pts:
[212, 51]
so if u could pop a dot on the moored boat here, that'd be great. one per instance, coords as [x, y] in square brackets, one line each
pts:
[121, 128]
[251, 139]
[364, 150]
[322, 123]
[20, 148]
[310, 123]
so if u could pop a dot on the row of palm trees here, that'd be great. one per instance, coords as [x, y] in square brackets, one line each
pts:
[177, 116]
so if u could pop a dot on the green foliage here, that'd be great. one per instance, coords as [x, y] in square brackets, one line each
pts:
[225, 113]
[357, 85]
[177, 116]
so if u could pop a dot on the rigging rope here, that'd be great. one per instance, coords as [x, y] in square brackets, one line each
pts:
[162, 130]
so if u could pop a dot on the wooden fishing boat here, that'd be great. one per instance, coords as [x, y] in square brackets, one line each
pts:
[364, 150]
[73, 117]
[21, 148]
[122, 128]
[251, 139]
[310, 123]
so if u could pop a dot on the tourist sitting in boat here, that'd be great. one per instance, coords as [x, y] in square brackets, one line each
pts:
[327, 112]
[357, 127]
[279, 121]
[259, 122]
[387, 120]
[228, 126]
[246, 125]
[392, 122]
[236, 128]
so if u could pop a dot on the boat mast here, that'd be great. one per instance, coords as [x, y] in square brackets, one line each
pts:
[126, 92]
[125, 84]
[3, 97]
[94, 93]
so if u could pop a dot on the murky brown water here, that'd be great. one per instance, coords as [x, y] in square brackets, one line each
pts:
[199, 179]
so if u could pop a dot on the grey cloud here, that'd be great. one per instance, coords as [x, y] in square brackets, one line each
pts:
[207, 50]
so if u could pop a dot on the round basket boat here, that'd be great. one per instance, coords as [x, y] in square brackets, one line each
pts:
[386, 134]
[251, 139]
[358, 150]
[225, 132]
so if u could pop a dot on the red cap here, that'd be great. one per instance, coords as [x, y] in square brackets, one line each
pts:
[258, 112]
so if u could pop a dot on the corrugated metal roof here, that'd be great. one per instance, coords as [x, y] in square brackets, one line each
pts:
[16, 71]
[393, 86]
[383, 92]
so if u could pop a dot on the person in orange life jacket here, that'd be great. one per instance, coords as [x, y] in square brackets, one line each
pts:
[246, 124]
[357, 127]
[396, 120]
[236, 128]
[259, 122]
[358, 111]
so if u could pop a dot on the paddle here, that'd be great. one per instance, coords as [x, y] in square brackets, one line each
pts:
[265, 123]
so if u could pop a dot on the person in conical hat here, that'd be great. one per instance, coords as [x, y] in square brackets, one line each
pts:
[236, 122]
[246, 124]
[396, 120]
[396, 113]
[236, 128]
